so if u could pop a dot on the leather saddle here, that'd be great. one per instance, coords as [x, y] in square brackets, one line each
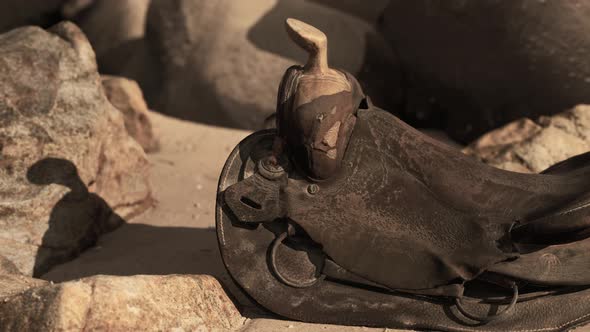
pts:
[344, 214]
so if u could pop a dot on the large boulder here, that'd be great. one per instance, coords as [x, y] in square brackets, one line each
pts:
[369, 11]
[15, 13]
[220, 62]
[115, 29]
[68, 169]
[528, 146]
[111, 24]
[109, 303]
[477, 65]
[127, 97]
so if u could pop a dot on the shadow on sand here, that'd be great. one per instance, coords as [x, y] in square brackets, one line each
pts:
[144, 249]
[80, 217]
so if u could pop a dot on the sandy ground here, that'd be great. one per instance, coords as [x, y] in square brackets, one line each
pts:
[177, 236]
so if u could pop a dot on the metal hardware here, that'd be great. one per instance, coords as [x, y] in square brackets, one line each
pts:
[313, 189]
[487, 319]
[273, 264]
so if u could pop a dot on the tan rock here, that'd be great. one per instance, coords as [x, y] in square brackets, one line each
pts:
[111, 24]
[530, 147]
[7, 266]
[12, 281]
[13, 284]
[68, 169]
[136, 303]
[127, 97]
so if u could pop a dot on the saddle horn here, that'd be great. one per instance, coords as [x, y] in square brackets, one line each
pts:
[316, 105]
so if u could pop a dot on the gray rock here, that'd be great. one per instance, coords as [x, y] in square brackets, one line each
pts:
[481, 64]
[15, 13]
[7, 266]
[114, 29]
[369, 11]
[127, 97]
[68, 169]
[135, 303]
[72, 8]
[528, 146]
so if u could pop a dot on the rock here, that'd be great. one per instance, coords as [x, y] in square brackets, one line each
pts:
[15, 13]
[136, 303]
[12, 281]
[68, 169]
[176, 236]
[127, 97]
[220, 62]
[367, 11]
[7, 266]
[13, 284]
[528, 146]
[116, 30]
[477, 65]
[113, 27]
[72, 8]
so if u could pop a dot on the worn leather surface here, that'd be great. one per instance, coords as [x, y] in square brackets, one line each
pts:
[417, 199]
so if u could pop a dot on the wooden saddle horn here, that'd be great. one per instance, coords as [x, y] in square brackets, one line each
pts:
[316, 105]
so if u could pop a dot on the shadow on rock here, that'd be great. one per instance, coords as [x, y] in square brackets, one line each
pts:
[368, 11]
[76, 220]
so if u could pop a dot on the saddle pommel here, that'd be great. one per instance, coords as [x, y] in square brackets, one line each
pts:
[316, 105]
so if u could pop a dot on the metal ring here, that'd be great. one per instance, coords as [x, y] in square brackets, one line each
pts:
[487, 319]
[273, 265]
